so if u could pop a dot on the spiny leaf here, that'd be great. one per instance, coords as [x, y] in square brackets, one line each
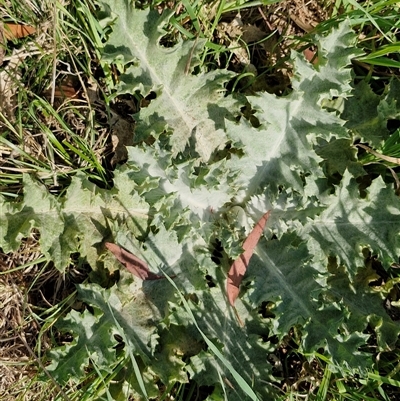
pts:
[167, 206]
[93, 338]
[367, 113]
[281, 150]
[339, 155]
[95, 334]
[284, 276]
[191, 107]
[350, 223]
[38, 210]
[75, 223]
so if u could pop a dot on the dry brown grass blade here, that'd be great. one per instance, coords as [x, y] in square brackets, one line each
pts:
[38, 361]
[389, 159]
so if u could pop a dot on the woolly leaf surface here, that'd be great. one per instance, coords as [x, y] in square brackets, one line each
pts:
[192, 107]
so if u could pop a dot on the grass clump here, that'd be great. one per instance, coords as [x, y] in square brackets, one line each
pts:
[50, 119]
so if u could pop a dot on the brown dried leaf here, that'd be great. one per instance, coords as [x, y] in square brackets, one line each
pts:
[67, 89]
[311, 56]
[136, 266]
[239, 266]
[17, 31]
[10, 79]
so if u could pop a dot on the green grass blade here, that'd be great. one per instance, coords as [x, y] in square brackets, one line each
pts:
[192, 14]
[324, 387]
[132, 357]
[100, 377]
[392, 48]
[382, 61]
[370, 18]
[239, 379]
[382, 379]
